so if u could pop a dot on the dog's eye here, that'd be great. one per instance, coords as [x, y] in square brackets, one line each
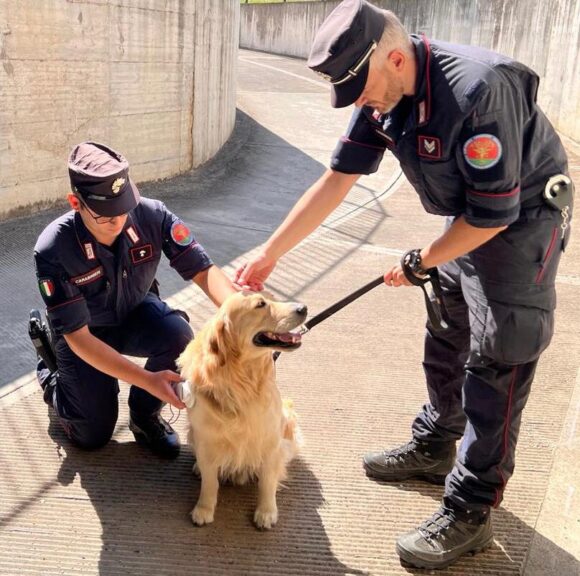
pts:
[261, 304]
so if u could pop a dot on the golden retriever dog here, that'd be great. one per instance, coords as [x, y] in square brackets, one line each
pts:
[240, 428]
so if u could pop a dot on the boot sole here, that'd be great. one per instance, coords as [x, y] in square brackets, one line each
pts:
[438, 479]
[408, 559]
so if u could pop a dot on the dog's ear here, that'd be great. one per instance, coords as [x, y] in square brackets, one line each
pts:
[221, 343]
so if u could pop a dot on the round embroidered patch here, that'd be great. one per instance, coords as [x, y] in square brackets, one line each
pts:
[482, 151]
[181, 234]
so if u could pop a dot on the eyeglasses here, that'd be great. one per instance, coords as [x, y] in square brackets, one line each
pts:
[98, 219]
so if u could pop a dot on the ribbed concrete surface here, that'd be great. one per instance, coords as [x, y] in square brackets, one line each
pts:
[356, 382]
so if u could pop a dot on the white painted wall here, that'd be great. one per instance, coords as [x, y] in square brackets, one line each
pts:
[543, 34]
[153, 79]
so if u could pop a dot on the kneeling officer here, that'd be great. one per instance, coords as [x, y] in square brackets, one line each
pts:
[96, 269]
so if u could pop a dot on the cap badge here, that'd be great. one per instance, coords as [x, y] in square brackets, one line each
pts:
[116, 187]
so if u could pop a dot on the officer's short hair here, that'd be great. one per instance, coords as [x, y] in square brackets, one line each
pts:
[395, 36]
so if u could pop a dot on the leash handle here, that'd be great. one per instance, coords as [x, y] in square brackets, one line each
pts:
[436, 309]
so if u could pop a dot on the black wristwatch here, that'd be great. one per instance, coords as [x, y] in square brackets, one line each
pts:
[414, 263]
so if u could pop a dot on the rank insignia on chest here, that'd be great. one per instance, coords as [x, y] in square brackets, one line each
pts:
[429, 147]
[141, 253]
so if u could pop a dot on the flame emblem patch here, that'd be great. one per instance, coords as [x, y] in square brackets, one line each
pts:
[482, 151]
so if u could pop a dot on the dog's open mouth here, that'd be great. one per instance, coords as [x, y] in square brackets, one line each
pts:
[285, 340]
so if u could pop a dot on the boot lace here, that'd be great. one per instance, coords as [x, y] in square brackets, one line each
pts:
[401, 453]
[158, 427]
[434, 527]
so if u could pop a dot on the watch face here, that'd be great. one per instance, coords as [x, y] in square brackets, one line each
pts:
[415, 260]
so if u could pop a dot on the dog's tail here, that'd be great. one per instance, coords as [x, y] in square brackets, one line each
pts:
[293, 439]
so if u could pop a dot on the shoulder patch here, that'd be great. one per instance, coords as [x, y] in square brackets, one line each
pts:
[46, 286]
[482, 151]
[181, 234]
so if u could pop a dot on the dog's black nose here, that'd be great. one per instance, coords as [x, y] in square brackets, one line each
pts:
[302, 310]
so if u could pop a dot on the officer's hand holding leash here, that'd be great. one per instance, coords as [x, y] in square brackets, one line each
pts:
[409, 272]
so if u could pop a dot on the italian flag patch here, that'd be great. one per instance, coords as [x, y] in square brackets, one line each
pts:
[47, 288]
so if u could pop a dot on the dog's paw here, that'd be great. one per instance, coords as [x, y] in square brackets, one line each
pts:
[201, 516]
[196, 471]
[265, 518]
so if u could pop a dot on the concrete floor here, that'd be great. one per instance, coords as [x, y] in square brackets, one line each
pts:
[356, 383]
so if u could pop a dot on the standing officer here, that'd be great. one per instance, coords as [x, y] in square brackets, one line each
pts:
[465, 126]
[96, 269]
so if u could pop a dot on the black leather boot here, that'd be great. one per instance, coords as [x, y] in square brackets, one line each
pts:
[427, 461]
[153, 431]
[449, 534]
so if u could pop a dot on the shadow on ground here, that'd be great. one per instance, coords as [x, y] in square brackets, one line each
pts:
[155, 497]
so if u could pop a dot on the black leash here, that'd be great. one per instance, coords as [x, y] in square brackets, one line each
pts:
[436, 309]
[321, 316]
[309, 324]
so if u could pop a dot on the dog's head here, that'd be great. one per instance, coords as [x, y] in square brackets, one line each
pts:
[247, 325]
[232, 354]
[256, 321]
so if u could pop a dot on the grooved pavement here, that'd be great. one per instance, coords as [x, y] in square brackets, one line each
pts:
[356, 382]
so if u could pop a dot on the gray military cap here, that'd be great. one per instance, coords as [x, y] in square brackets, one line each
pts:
[100, 176]
[343, 46]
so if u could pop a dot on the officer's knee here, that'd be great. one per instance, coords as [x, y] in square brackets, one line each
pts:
[87, 436]
[181, 334]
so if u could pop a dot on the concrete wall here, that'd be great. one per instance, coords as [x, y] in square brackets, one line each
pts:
[544, 34]
[155, 79]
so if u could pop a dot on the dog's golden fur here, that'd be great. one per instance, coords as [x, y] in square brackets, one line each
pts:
[240, 427]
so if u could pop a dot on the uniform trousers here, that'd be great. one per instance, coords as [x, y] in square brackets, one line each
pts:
[479, 372]
[86, 400]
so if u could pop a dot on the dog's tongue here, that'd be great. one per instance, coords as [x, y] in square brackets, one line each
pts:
[288, 337]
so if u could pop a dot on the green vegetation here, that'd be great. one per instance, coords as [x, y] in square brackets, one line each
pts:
[270, 1]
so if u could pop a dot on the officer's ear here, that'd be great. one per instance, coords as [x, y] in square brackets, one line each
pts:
[73, 201]
[397, 59]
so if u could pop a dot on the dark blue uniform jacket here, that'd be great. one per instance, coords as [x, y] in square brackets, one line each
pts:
[471, 141]
[83, 282]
